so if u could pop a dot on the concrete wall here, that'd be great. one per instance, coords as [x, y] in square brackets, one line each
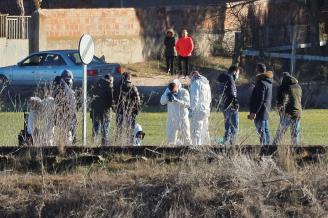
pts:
[116, 32]
[13, 50]
[126, 35]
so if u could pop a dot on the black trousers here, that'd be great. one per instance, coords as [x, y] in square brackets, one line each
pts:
[170, 64]
[185, 61]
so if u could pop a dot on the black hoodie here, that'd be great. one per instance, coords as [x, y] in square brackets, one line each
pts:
[128, 100]
[228, 91]
[102, 99]
[260, 102]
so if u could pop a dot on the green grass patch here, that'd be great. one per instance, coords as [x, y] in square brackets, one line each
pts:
[314, 127]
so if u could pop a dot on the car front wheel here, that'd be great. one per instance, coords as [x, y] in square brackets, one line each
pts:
[3, 83]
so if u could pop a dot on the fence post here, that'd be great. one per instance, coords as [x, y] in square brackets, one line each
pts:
[6, 27]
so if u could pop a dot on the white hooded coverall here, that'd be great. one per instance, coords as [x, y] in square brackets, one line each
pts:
[40, 122]
[178, 126]
[200, 105]
[136, 130]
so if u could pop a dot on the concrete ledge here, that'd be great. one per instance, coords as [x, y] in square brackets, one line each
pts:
[151, 151]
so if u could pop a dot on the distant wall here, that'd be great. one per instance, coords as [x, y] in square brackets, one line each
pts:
[126, 35]
[50, 4]
[13, 50]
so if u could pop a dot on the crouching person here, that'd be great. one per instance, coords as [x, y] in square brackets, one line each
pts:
[40, 123]
[35, 105]
[289, 95]
[177, 100]
[138, 135]
[200, 107]
[102, 102]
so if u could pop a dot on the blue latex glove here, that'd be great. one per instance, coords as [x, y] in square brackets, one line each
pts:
[170, 96]
[174, 97]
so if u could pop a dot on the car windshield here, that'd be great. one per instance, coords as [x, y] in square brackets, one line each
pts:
[75, 57]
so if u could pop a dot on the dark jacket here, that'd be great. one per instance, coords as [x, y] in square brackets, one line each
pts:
[128, 100]
[65, 104]
[260, 102]
[289, 96]
[102, 99]
[169, 43]
[228, 92]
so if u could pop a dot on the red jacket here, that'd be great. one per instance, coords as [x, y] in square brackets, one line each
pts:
[184, 46]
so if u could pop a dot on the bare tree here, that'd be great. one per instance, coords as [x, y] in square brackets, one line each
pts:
[20, 4]
[239, 13]
[313, 9]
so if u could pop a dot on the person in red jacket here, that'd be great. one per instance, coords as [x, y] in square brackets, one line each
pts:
[184, 47]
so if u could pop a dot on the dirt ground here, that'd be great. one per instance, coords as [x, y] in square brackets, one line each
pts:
[158, 80]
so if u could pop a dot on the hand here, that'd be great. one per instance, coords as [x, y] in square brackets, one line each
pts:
[170, 96]
[251, 116]
[236, 107]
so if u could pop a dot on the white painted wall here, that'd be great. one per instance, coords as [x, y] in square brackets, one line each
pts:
[12, 51]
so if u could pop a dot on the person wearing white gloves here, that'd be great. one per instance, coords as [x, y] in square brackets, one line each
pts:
[200, 107]
[177, 100]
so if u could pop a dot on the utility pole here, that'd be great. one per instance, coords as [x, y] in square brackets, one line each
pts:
[293, 55]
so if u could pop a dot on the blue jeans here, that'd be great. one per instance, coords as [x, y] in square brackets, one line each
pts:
[104, 125]
[262, 128]
[295, 130]
[231, 126]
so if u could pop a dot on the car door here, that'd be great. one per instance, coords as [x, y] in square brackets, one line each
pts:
[26, 73]
[52, 66]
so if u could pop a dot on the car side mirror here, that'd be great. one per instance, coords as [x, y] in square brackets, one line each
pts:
[19, 64]
[103, 58]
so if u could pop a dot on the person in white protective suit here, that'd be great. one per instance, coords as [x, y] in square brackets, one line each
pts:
[40, 123]
[35, 104]
[177, 100]
[200, 107]
[138, 135]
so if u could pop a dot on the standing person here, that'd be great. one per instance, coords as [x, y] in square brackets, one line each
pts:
[128, 107]
[66, 107]
[260, 103]
[102, 102]
[170, 52]
[229, 104]
[177, 100]
[289, 97]
[200, 108]
[184, 47]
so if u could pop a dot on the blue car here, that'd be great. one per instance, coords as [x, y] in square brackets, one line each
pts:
[42, 67]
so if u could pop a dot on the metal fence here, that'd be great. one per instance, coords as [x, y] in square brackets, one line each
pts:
[15, 27]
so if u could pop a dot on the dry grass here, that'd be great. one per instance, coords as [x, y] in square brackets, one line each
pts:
[238, 186]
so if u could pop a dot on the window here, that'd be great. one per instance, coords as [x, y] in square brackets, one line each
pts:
[75, 57]
[53, 60]
[34, 60]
